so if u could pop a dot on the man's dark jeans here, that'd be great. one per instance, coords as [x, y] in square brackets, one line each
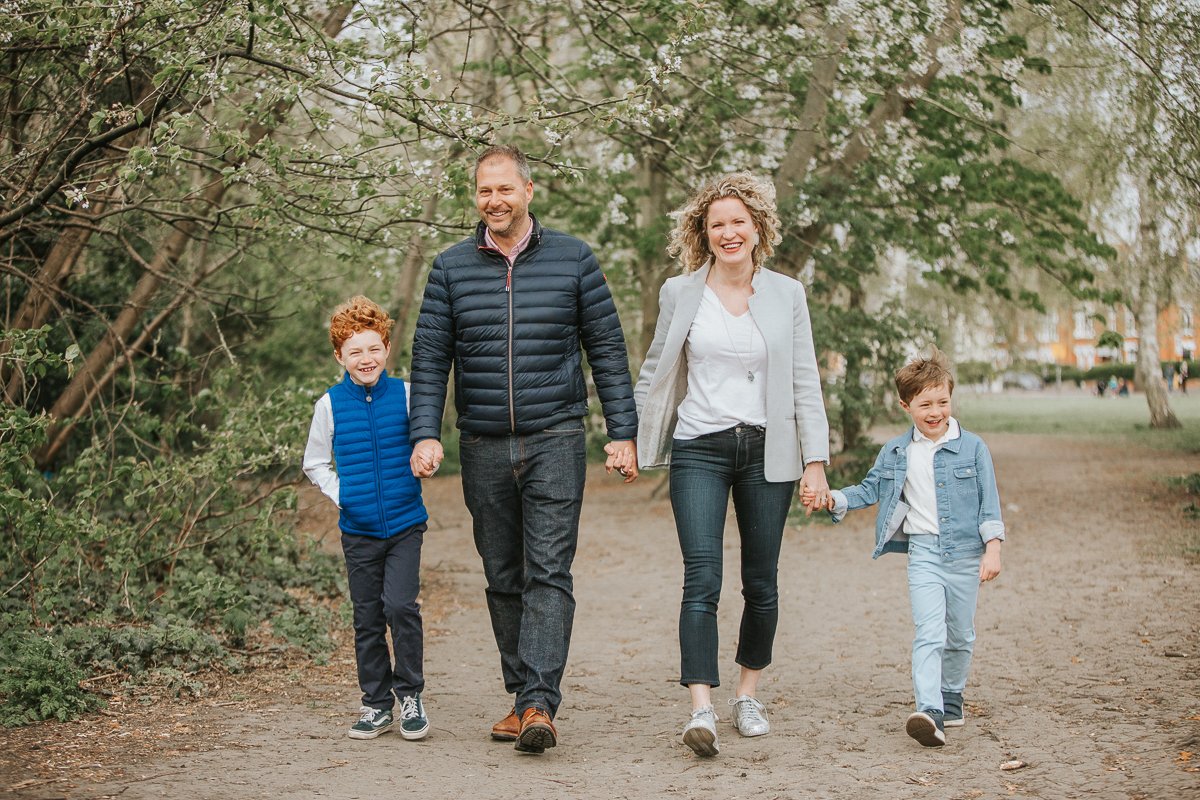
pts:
[703, 472]
[385, 578]
[525, 493]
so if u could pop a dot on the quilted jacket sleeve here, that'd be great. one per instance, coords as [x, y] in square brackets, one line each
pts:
[432, 356]
[603, 341]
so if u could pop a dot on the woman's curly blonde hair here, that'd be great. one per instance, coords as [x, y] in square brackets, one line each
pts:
[688, 241]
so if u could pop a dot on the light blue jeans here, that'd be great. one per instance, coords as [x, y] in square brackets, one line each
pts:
[943, 593]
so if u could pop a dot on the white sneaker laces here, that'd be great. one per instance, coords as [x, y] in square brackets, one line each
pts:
[408, 707]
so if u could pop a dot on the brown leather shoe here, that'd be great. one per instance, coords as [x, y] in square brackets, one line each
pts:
[507, 729]
[537, 732]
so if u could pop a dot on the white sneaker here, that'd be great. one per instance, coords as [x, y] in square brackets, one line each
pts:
[700, 733]
[749, 716]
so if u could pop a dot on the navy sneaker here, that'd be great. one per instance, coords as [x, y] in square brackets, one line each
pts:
[955, 714]
[926, 727]
[413, 722]
[373, 722]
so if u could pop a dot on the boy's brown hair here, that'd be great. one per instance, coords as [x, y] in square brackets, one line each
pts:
[356, 315]
[917, 376]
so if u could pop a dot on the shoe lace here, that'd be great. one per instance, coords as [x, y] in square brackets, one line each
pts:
[408, 707]
[368, 714]
[704, 712]
[748, 709]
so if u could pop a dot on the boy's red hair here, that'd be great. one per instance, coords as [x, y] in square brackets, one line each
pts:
[356, 315]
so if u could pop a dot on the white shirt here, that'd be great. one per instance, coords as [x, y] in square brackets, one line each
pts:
[318, 453]
[920, 491]
[721, 349]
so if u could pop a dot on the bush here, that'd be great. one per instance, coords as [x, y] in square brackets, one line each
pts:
[156, 552]
[40, 680]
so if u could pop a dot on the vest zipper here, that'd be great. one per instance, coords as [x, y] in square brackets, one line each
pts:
[376, 460]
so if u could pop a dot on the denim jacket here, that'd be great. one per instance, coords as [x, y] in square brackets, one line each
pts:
[968, 503]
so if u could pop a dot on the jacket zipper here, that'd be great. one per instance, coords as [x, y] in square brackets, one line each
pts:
[378, 466]
[512, 405]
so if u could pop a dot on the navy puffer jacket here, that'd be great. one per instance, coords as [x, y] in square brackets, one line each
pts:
[514, 337]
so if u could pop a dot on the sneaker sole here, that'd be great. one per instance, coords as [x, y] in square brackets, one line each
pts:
[368, 734]
[701, 740]
[536, 739]
[922, 728]
[954, 723]
[504, 737]
[412, 736]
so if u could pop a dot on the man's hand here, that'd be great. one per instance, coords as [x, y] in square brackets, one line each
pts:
[622, 456]
[426, 458]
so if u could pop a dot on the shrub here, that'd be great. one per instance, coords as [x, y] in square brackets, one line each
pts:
[40, 680]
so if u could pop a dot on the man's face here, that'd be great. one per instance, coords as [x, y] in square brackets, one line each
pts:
[502, 197]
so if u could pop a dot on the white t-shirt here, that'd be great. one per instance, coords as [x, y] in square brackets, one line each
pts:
[721, 350]
[919, 490]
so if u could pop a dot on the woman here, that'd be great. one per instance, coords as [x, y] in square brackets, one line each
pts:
[730, 396]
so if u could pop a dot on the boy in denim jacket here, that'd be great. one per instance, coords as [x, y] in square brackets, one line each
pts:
[358, 455]
[938, 502]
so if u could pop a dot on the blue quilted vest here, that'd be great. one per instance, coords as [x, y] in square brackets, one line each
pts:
[379, 495]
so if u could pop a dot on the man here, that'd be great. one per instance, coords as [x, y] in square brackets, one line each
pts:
[509, 308]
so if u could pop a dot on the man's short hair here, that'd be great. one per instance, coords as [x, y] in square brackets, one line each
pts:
[917, 376]
[356, 315]
[509, 152]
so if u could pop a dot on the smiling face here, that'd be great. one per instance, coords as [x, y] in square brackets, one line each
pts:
[502, 198]
[363, 355]
[731, 233]
[930, 410]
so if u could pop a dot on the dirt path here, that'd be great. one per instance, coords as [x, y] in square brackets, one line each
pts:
[1087, 667]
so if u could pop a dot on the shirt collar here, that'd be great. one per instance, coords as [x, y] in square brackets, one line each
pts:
[953, 431]
[522, 243]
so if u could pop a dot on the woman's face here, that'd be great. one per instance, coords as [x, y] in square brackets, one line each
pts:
[731, 233]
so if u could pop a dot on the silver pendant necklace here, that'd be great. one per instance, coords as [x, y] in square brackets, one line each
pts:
[732, 344]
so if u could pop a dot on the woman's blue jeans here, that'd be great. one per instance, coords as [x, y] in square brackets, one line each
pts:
[704, 472]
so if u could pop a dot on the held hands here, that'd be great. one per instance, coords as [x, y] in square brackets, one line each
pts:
[622, 456]
[426, 458]
[814, 489]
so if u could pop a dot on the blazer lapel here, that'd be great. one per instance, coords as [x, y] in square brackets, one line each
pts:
[686, 305]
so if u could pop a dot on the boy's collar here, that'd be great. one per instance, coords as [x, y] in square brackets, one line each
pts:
[949, 439]
[377, 388]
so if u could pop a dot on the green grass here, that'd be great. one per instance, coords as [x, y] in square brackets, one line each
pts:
[1124, 419]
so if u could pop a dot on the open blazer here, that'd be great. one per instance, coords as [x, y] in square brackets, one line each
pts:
[797, 430]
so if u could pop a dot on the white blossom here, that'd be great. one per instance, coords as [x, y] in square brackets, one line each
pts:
[950, 182]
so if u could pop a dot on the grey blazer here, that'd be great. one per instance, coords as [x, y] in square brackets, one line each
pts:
[797, 430]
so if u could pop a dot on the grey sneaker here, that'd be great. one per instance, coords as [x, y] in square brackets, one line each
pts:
[955, 713]
[413, 722]
[926, 727]
[373, 722]
[700, 733]
[749, 716]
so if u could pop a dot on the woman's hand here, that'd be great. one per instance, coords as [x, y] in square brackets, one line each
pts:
[814, 488]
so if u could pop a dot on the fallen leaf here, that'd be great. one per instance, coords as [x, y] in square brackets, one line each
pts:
[1184, 755]
[1009, 766]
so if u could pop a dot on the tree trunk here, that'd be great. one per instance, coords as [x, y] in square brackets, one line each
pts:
[651, 267]
[410, 272]
[1148, 374]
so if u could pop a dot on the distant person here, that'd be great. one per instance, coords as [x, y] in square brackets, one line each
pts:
[1168, 373]
[512, 309]
[1183, 375]
[1112, 384]
[730, 396]
[949, 524]
[1101, 385]
[358, 454]
[1123, 388]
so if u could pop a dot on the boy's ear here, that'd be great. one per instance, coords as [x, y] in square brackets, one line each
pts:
[903, 405]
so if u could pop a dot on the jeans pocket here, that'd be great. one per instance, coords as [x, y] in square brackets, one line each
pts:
[571, 426]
